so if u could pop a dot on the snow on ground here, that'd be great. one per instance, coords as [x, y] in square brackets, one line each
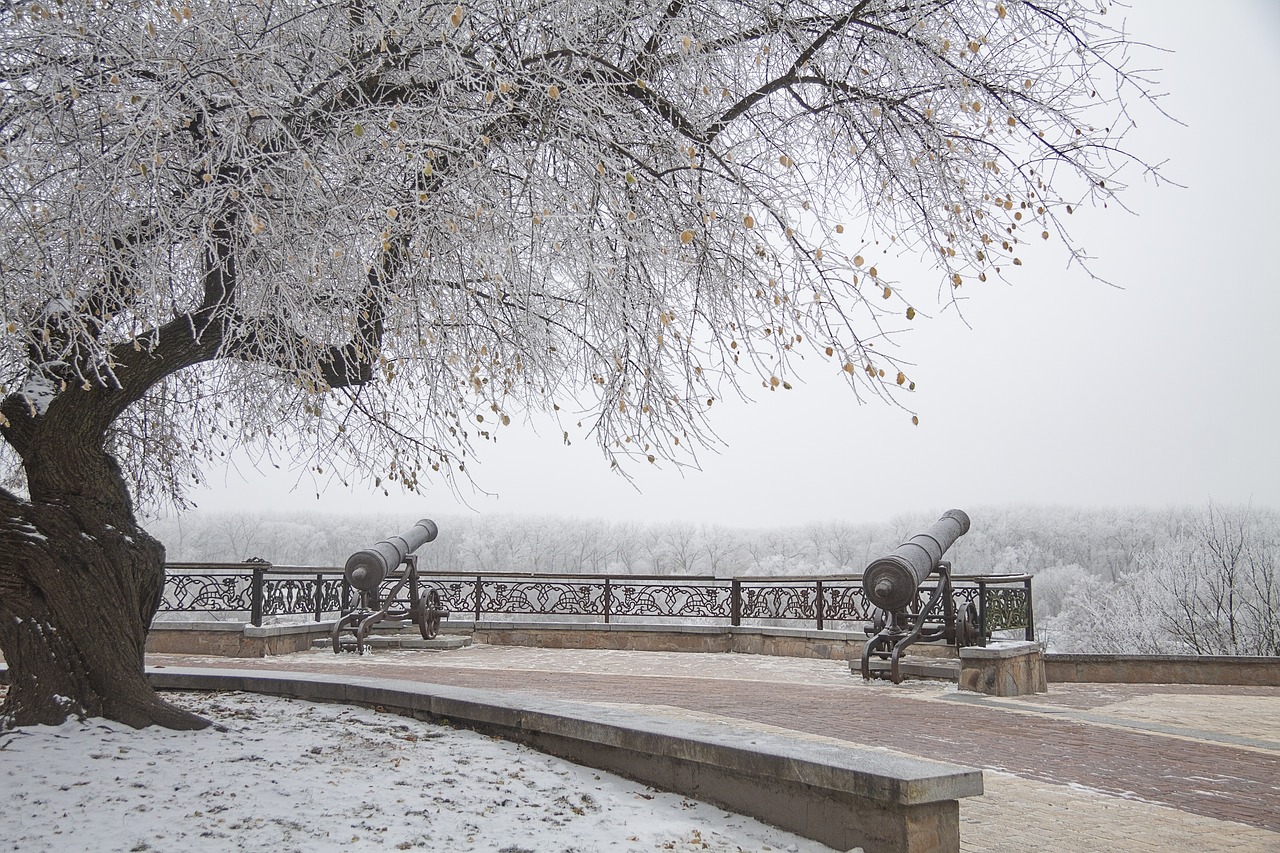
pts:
[287, 775]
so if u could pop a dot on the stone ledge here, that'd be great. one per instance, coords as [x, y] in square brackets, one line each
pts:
[637, 627]
[243, 627]
[712, 639]
[210, 625]
[233, 639]
[650, 627]
[288, 630]
[842, 796]
[1163, 669]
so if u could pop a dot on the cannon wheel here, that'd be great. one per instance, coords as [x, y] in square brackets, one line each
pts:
[877, 622]
[429, 615]
[967, 626]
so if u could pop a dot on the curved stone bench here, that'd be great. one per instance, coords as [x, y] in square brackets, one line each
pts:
[845, 796]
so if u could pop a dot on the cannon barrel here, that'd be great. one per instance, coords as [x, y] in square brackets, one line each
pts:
[366, 569]
[890, 582]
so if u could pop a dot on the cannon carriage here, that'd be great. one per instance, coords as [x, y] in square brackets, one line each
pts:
[895, 585]
[391, 560]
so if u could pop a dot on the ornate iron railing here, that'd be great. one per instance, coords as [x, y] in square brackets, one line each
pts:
[260, 590]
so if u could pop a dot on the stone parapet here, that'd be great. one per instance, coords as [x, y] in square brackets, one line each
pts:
[740, 639]
[238, 639]
[1164, 669]
[232, 639]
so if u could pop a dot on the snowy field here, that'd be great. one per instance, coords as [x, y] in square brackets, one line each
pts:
[286, 775]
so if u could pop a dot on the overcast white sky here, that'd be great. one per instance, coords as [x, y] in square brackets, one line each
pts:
[1061, 389]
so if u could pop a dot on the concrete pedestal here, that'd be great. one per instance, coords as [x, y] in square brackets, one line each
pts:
[1003, 668]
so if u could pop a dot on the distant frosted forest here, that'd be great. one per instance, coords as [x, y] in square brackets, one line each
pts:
[1186, 580]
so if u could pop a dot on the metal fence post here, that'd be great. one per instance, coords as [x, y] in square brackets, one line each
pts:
[820, 606]
[608, 600]
[319, 594]
[479, 590]
[735, 602]
[982, 611]
[255, 596]
[1031, 616]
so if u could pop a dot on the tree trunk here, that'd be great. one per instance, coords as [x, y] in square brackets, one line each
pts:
[79, 584]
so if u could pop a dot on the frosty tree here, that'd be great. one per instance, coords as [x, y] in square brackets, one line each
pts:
[1211, 587]
[368, 234]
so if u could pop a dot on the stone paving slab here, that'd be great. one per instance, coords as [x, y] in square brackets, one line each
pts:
[1016, 815]
[1247, 722]
[1240, 712]
[1247, 716]
[1087, 767]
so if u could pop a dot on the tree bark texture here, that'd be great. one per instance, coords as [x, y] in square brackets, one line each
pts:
[79, 584]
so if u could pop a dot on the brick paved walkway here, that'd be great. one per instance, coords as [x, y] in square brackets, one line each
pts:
[1084, 768]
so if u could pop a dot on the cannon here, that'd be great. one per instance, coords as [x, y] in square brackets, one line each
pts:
[389, 560]
[894, 584]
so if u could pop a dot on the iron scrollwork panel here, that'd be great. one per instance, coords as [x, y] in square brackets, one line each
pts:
[670, 599]
[965, 595]
[287, 596]
[1006, 609]
[543, 598]
[783, 601]
[400, 601]
[331, 595]
[187, 592]
[297, 595]
[455, 596]
[846, 603]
